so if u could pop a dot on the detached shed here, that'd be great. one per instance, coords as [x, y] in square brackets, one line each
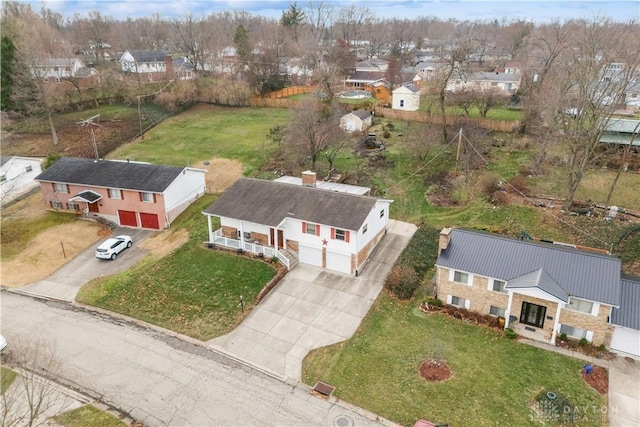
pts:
[356, 121]
[406, 97]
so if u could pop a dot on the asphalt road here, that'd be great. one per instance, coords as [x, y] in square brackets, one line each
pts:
[160, 379]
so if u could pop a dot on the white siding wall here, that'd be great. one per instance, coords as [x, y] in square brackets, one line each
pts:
[404, 99]
[186, 188]
[18, 179]
[293, 230]
[374, 223]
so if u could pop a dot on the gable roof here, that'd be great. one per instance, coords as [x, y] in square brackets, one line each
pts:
[411, 87]
[483, 76]
[148, 55]
[269, 202]
[111, 174]
[540, 280]
[366, 76]
[361, 114]
[583, 274]
[628, 314]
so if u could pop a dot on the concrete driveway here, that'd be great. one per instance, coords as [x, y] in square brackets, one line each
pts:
[311, 308]
[65, 283]
[624, 392]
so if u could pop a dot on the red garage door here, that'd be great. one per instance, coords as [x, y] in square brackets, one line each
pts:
[148, 220]
[128, 218]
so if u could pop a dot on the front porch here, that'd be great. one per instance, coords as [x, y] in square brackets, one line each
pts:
[217, 238]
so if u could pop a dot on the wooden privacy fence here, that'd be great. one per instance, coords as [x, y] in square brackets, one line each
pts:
[289, 91]
[257, 101]
[436, 119]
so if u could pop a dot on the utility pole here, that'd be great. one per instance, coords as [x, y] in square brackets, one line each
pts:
[140, 119]
[458, 152]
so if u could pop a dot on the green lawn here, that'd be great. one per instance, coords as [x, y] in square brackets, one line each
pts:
[494, 379]
[7, 376]
[87, 415]
[206, 131]
[194, 291]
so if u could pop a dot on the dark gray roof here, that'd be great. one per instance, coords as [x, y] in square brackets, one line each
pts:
[5, 159]
[579, 273]
[540, 280]
[86, 196]
[366, 76]
[362, 114]
[148, 55]
[629, 312]
[111, 174]
[269, 202]
[494, 77]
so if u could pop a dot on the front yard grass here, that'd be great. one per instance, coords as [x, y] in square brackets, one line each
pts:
[495, 380]
[87, 415]
[7, 376]
[194, 290]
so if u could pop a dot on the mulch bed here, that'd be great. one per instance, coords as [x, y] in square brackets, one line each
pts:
[598, 379]
[435, 370]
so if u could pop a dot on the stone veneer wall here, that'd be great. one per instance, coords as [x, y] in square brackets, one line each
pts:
[602, 331]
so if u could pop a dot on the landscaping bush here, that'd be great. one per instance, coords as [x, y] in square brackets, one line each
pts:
[563, 337]
[521, 184]
[500, 198]
[510, 333]
[390, 126]
[583, 342]
[488, 185]
[386, 134]
[422, 251]
[434, 302]
[402, 281]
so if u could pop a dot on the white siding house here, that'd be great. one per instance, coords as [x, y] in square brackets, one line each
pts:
[406, 97]
[17, 176]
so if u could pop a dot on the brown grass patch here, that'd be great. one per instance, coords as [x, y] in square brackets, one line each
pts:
[30, 207]
[43, 255]
[164, 243]
[221, 174]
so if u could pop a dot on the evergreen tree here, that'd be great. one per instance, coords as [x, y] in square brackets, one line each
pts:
[292, 18]
[6, 72]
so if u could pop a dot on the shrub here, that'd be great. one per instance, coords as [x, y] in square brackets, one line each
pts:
[422, 251]
[602, 347]
[521, 184]
[525, 170]
[510, 333]
[402, 281]
[386, 134]
[583, 342]
[390, 126]
[51, 159]
[488, 185]
[434, 302]
[563, 337]
[500, 198]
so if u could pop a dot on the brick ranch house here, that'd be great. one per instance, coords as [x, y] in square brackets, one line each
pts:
[541, 289]
[329, 229]
[127, 193]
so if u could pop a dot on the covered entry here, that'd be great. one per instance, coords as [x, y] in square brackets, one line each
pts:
[91, 198]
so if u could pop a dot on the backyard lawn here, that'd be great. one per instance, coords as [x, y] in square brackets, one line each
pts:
[194, 291]
[495, 380]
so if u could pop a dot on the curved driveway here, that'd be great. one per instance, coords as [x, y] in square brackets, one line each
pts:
[65, 283]
[311, 308]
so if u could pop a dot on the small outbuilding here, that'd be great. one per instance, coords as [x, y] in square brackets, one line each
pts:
[356, 121]
[406, 97]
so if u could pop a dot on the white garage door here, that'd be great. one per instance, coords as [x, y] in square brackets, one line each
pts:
[626, 340]
[309, 255]
[339, 262]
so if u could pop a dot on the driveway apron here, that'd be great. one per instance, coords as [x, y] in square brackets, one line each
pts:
[312, 308]
[624, 392]
[65, 283]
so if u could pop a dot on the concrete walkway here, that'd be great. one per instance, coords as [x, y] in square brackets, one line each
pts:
[311, 308]
[624, 384]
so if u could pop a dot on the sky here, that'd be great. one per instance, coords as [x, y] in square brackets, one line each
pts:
[529, 10]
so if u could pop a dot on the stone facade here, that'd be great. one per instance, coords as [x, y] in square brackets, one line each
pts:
[541, 334]
[602, 331]
[481, 299]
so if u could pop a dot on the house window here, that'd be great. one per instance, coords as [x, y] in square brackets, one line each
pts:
[498, 286]
[310, 228]
[364, 229]
[460, 277]
[115, 193]
[382, 213]
[58, 79]
[573, 332]
[246, 235]
[56, 205]
[459, 302]
[494, 84]
[496, 311]
[28, 168]
[45, 80]
[532, 314]
[73, 206]
[147, 197]
[581, 305]
[340, 234]
[402, 102]
[60, 188]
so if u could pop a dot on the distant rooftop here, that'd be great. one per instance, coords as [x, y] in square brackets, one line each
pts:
[331, 186]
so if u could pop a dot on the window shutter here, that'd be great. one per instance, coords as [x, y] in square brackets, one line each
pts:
[53, 185]
[346, 236]
[121, 194]
[108, 192]
[304, 227]
[333, 233]
[51, 203]
[141, 198]
[448, 299]
[154, 197]
[68, 189]
[317, 229]
[467, 304]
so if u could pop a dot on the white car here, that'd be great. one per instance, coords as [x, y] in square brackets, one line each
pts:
[110, 248]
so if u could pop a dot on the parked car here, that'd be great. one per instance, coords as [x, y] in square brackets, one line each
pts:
[3, 342]
[110, 248]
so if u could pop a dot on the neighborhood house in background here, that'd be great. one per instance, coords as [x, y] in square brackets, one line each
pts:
[127, 193]
[542, 290]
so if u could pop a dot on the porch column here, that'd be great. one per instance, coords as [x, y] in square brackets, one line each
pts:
[241, 236]
[275, 238]
[507, 313]
[209, 228]
[555, 323]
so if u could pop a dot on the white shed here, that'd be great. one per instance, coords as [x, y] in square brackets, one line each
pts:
[406, 97]
[356, 121]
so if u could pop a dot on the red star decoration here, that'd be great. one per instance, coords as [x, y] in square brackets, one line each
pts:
[324, 242]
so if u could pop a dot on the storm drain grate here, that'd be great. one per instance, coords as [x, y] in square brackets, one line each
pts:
[343, 421]
[324, 388]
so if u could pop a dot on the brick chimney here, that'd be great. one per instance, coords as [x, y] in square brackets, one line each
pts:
[308, 179]
[445, 237]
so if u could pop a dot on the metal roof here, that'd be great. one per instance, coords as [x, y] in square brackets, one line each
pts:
[269, 202]
[540, 280]
[111, 174]
[629, 312]
[582, 274]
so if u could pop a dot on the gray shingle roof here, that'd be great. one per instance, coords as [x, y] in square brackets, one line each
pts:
[269, 202]
[581, 274]
[629, 312]
[148, 55]
[111, 174]
[540, 280]
[362, 114]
